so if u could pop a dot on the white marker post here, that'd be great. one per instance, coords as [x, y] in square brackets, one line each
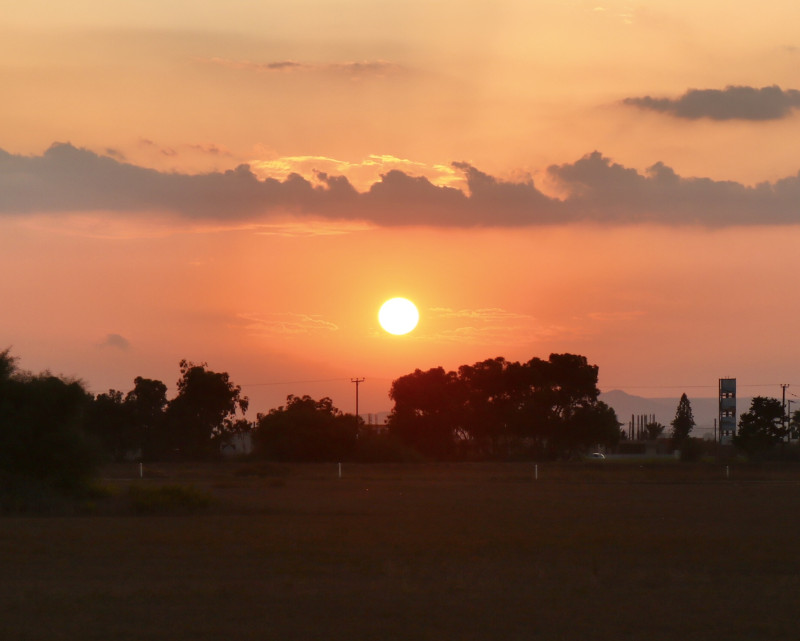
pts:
[536, 472]
[340, 470]
[141, 471]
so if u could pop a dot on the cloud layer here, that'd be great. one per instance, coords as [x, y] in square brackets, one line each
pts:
[731, 103]
[69, 179]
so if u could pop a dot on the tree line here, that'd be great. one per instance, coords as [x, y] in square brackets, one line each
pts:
[52, 427]
[204, 415]
[765, 430]
[54, 431]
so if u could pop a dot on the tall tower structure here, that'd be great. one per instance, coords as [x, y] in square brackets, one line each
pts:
[727, 409]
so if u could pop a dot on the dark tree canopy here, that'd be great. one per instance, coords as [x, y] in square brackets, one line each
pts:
[147, 402]
[131, 425]
[306, 430]
[41, 428]
[203, 415]
[496, 408]
[111, 422]
[427, 414]
[761, 427]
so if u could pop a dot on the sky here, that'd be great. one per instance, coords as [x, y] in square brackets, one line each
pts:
[244, 183]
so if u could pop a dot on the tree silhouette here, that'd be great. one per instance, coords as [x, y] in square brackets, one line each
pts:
[203, 414]
[146, 404]
[131, 425]
[41, 428]
[306, 430]
[761, 427]
[683, 423]
[496, 408]
[111, 422]
[428, 413]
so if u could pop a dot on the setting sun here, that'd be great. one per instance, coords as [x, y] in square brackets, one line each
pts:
[398, 316]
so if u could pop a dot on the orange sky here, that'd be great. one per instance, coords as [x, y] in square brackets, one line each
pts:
[667, 257]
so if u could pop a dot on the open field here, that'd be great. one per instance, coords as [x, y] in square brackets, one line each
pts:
[458, 551]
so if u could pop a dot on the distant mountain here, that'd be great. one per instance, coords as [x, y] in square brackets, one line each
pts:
[705, 410]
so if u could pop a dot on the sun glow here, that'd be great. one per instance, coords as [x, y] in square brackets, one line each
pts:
[398, 316]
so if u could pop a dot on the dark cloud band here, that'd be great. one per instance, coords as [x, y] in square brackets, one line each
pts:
[731, 103]
[66, 178]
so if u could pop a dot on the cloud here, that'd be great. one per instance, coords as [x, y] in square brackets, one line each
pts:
[207, 149]
[731, 103]
[605, 192]
[484, 325]
[595, 190]
[363, 68]
[617, 316]
[286, 323]
[307, 229]
[116, 341]
[493, 326]
[66, 178]
[210, 149]
[483, 314]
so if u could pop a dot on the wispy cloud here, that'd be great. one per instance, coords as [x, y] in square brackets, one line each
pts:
[349, 68]
[283, 323]
[616, 316]
[210, 149]
[115, 341]
[731, 103]
[485, 314]
[303, 228]
[595, 189]
[491, 326]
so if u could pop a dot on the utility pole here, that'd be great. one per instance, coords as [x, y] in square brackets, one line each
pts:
[357, 381]
[783, 419]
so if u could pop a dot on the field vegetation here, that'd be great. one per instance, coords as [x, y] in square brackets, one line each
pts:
[178, 544]
[598, 550]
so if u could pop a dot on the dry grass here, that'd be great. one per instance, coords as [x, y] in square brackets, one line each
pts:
[439, 552]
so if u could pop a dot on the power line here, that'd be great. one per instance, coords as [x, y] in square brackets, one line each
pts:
[321, 380]
[621, 386]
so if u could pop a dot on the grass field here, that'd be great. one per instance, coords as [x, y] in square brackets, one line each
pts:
[461, 551]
